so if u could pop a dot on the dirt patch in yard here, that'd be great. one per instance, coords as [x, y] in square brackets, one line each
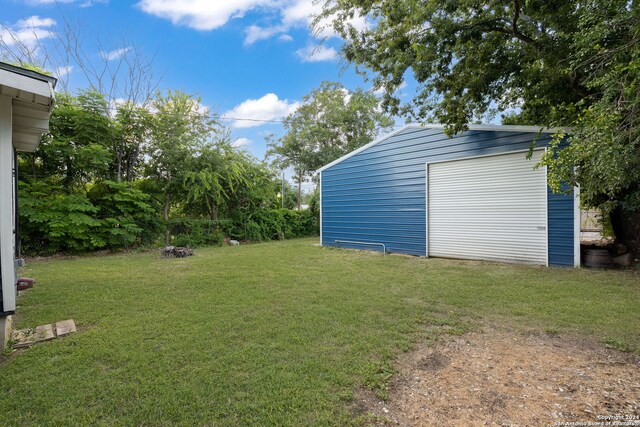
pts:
[508, 379]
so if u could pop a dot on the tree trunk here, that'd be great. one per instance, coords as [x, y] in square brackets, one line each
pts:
[165, 215]
[299, 191]
[68, 177]
[214, 214]
[118, 166]
[131, 163]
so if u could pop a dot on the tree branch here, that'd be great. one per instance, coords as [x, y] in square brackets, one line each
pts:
[514, 25]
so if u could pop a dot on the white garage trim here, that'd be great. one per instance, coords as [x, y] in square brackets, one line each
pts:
[576, 227]
[320, 208]
[477, 242]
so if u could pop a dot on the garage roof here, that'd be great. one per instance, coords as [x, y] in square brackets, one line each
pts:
[493, 128]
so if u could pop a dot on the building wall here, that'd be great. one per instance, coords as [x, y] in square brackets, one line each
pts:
[7, 266]
[379, 194]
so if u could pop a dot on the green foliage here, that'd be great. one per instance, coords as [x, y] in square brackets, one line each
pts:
[77, 147]
[331, 122]
[465, 57]
[126, 215]
[133, 126]
[195, 232]
[52, 221]
[109, 216]
[179, 132]
[82, 190]
[276, 224]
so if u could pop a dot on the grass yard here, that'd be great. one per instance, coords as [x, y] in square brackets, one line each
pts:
[272, 334]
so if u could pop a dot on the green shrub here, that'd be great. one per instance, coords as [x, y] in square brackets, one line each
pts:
[109, 216]
[51, 221]
[126, 215]
[195, 232]
[275, 224]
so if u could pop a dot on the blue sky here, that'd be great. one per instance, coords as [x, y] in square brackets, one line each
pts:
[245, 58]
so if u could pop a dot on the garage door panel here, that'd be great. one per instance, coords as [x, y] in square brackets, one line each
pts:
[491, 208]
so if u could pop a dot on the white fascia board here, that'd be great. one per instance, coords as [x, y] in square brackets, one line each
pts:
[26, 84]
[576, 227]
[493, 128]
[320, 181]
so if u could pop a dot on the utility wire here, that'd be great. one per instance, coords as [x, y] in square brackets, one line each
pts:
[221, 117]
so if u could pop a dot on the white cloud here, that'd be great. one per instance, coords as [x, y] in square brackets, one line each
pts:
[115, 54]
[208, 15]
[319, 53]
[285, 38]
[302, 13]
[269, 107]
[255, 33]
[241, 142]
[27, 32]
[63, 71]
[35, 21]
[202, 14]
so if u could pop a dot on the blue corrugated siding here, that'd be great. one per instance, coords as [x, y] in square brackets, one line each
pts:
[560, 213]
[378, 195]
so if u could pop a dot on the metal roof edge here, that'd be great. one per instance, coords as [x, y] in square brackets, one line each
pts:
[495, 128]
[502, 128]
[29, 73]
[364, 147]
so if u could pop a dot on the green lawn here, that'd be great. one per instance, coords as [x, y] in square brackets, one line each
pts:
[272, 334]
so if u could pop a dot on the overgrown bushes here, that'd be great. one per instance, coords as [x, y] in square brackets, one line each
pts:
[109, 215]
[114, 215]
[165, 174]
[277, 224]
[262, 225]
[195, 232]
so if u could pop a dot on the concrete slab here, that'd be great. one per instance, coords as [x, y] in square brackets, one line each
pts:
[65, 327]
[28, 337]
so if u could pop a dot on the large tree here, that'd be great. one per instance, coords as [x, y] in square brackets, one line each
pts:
[550, 62]
[331, 122]
[181, 127]
[76, 150]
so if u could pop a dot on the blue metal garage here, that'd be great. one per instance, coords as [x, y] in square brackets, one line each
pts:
[474, 196]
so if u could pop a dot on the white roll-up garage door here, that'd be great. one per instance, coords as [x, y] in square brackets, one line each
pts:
[489, 208]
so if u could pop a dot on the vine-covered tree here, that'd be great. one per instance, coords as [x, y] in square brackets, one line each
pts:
[552, 63]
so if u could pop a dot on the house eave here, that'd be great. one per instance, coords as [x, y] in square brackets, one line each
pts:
[33, 98]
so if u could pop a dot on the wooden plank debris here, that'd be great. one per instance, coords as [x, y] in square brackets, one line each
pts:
[65, 327]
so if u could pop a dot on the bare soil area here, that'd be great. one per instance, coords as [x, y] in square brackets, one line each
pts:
[504, 378]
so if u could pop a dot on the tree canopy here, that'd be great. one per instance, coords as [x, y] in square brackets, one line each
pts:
[330, 122]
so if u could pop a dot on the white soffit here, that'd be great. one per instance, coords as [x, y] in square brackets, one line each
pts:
[32, 100]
